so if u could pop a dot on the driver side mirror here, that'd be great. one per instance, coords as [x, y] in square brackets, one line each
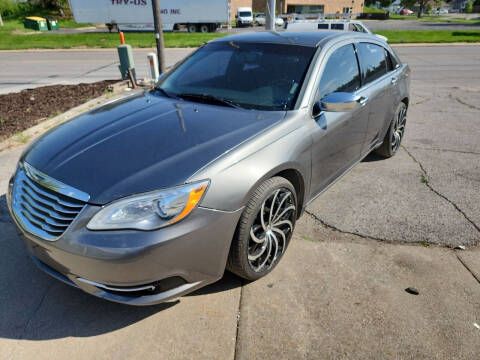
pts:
[338, 102]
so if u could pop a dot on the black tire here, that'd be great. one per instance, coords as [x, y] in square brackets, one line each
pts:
[391, 142]
[203, 28]
[191, 28]
[281, 192]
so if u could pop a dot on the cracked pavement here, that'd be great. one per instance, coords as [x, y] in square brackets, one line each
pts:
[340, 290]
[430, 191]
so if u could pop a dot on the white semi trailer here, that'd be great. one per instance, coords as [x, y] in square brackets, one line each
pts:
[196, 15]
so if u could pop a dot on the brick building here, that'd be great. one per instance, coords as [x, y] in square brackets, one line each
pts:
[303, 6]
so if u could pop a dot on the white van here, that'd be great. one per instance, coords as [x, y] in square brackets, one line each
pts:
[342, 25]
[244, 16]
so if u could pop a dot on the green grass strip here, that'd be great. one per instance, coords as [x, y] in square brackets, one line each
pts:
[430, 36]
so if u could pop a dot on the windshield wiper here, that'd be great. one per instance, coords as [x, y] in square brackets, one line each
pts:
[166, 93]
[210, 98]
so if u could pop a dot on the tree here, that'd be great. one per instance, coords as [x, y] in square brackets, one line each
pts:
[1, 20]
[385, 3]
[52, 4]
[422, 4]
[469, 7]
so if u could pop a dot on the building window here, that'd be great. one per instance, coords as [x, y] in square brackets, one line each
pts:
[346, 10]
[305, 9]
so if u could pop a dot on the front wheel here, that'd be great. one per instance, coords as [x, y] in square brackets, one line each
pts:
[264, 230]
[393, 137]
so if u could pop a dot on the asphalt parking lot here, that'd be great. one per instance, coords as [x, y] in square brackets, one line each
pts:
[339, 291]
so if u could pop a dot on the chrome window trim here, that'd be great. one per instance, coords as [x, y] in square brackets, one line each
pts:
[326, 51]
[325, 54]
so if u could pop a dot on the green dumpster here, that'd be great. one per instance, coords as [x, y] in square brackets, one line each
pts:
[35, 23]
[52, 23]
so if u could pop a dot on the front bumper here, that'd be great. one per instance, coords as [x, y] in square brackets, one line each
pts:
[120, 265]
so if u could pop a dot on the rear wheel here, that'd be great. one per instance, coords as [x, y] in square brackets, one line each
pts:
[192, 28]
[393, 137]
[264, 230]
[204, 28]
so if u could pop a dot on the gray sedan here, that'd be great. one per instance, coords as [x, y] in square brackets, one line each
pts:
[152, 196]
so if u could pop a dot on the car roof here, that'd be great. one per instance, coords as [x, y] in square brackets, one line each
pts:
[303, 38]
[314, 21]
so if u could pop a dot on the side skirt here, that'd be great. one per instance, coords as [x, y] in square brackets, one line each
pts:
[341, 176]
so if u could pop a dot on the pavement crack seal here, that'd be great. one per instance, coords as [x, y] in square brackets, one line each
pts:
[370, 237]
[97, 69]
[470, 106]
[468, 269]
[445, 150]
[334, 228]
[436, 192]
[236, 349]
[39, 305]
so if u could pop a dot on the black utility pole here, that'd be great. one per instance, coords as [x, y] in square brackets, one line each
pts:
[157, 20]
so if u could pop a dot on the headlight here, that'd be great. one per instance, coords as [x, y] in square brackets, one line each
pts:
[150, 211]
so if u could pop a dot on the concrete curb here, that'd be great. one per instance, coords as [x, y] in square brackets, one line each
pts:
[39, 129]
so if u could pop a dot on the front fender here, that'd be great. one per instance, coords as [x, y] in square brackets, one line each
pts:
[234, 177]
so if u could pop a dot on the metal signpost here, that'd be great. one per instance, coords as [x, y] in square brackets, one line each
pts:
[270, 15]
[157, 20]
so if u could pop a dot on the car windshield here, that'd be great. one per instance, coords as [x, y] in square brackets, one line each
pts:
[245, 13]
[262, 76]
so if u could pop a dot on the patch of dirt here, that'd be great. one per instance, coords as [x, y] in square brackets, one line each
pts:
[22, 110]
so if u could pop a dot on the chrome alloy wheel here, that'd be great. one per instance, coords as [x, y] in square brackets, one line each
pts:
[271, 230]
[399, 129]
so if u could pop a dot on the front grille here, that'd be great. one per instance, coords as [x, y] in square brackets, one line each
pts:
[40, 205]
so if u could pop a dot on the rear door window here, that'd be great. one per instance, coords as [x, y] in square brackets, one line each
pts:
[373, 64]
[341, 73]
[336, 26]
[323, 26]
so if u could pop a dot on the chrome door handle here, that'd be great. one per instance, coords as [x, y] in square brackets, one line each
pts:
[394, 80]
[363, 100]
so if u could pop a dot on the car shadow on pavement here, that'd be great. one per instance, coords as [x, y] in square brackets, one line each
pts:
[372, 157]
[34, 306]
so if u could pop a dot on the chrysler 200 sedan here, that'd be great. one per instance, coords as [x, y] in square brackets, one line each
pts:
[152, 196]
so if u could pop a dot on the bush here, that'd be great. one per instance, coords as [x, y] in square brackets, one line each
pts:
[374, 16]
[11, 10]
[367, 9]
[469, 7]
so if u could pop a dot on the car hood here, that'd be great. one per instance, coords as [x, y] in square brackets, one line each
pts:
[142, 143]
